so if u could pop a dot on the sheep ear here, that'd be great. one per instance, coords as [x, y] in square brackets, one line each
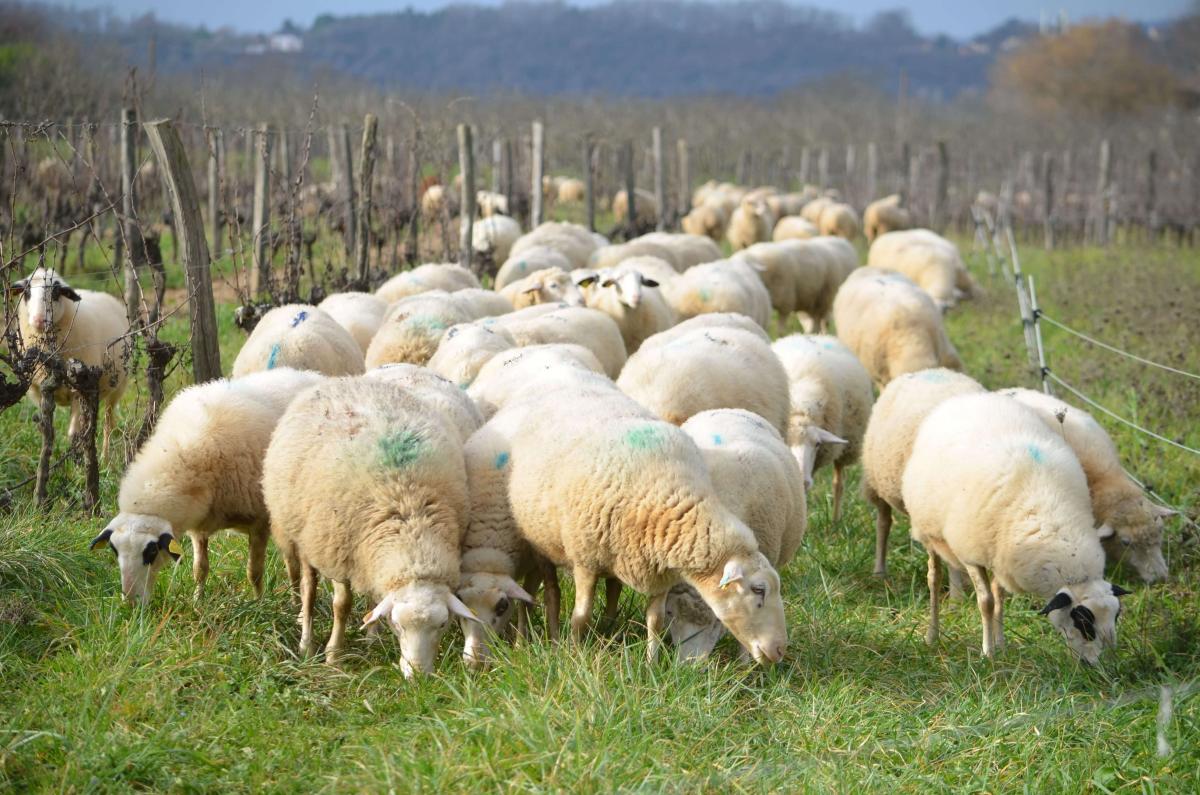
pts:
[67, 292]
[1118, 591]
[517, 592]
[101, 541]
[18, 287]
[607, 283]
[587, 281]
[648, 282]
[381, 610]
[459, 609]
[1105, 532]
[534, 288]
[825, 437]
[167, 541]
[1061, 599]
[733, 572]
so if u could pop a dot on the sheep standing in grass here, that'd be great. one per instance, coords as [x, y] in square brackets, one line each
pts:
[75, 324]
[467, 347]
[361, 314]
[646, 208]
[509, 373]
[730, 285]
[200, 473]
[892, 325]
[446, 399]
[709, 220]
[449, 277]
[931, 261]
[639, 247]
[991, 490]
[839, 220]
[633, 302]
[1118, 502]
[793, 227]
[755, 477]
[366, 487]
[687, 250]
[799, 276]
[752, 222]
[885, 215]
[494, 236]
[811, 212]
[887, 443]
[301, 337]
[831, 400]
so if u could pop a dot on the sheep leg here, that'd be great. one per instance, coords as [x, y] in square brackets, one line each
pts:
[883, 528]
[553, 597]
[956, 583]
[110, 422]
[983, 596]
[73, 426]
[308, 595]
[838, 484]
[199, 562]
[656, 624]
[257, 561]
[934, 579]
[612, 600]
[585, 595]
[998, 640]
[343, 599]
[292, 562]
[533, 581]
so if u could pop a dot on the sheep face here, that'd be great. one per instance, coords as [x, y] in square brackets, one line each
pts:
[492, 598]
[46, 298]
[809, 442]
[141, 544]
[1137, 539]
[1086, 615]
[418, 614]
[694, 628]
[551, 288]
[747, 601]
[627, 286]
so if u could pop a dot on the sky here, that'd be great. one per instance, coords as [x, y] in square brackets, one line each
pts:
[958, 18]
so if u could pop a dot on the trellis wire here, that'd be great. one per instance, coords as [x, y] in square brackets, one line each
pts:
[1113, 349]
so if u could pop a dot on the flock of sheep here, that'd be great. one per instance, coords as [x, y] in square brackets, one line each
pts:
[621, 412]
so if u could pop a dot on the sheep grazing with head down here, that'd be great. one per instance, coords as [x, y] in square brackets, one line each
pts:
[793, 227]
[361, 314]
[199, 474]
[576, 325]
[494, 236]
[507, 374]
[366, 487]
[930, 260]
[414, 326]
[728, 285]
[465, 348]
[75, 324]
[840, 220]
[646, 208]
[1118, 502]
[709, 220]
[302, 337]
[885, 215]
[436, 392]
[1015, 514]
[752, 222]
[449, 277]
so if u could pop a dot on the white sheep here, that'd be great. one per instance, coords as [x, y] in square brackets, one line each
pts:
[755, 477]
[731, 285]
[1117, 501]
[366, 487]
[492, 204]
[529, 261]
[646, 208]
[200, 473]
[892, 325]
[688, 250]
[678, 376]
[709, 220]
[839, 219]
[811, 211]
[573, 241]
[931, 261]
[799, 276]
[446, 399]
[465, 348]
[424, 278]
[480, 303]
[991, 490]
[76, 324]
[887, 443]
[712, 320]
[508, 374]
[831, 399]
[571, 190]
[414, 326]
[302, 337]
[361, 314]
[885, 215]
[590, 328]
[494, 236]
[613, 255]
[752, 222]
[793, 227]
[633, 301]
[546, 286]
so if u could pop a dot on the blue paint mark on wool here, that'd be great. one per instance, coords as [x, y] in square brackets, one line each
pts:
[1035, 453]
[934, 377]
[717, 439]
[273, 357]
[300, 317]
[501, 460]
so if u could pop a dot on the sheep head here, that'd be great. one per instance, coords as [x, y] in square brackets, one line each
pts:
[694, 629]
[46, 296]
[142, 544]
[1086, 615]
[745, 596]
[492, 598]
[418, 614]
[1137, 539]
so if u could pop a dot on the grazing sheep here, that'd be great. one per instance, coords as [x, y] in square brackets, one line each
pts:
[508, 374]
[448, 277]
[361, 314]
[647, 208]
[492, 204]
[892, 325]
[1117, 502]
[755, 477]
[750, 223]
[633, 301]
[302, 337]
[413, 328]
[447, 400]
[612, 256]
[200, 473]
[465, 348]
[1015, 514]
[800, 275]
[653, 268]
[840, 220]
[546, 286]
[793, 227]
[436, 201]
[712, 320]
[494, 236]
[571, 190]
[573, 241]
[885, 215]
[811, 212]
[731, 285]
[831, 400]
[887, 443]
[590, 328]
[709, 220]
[931, 261]
[528, 262]
[76, 324]
[708, 368]
[366, 487]
[480, 303]
[688, 250]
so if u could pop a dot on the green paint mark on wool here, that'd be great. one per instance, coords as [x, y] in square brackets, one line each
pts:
[401, 449]
[427, 322]
[705, 294]
[645, 437]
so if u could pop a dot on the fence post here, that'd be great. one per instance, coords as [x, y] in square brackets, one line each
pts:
[1023, 304]
[536, 167]
[260, 228]
[685, 179]
[1048, 199]
[848, 182]
[1152, 195]
[805, 157]
[942, 193]
[1103, 184]
[366, 176]
[630, 193]
[211, 135]
[191, 246]
[345, 175]
[872, 171]
[129, 231]
[589, 182]
[466, 167]
[1036, 314]
[660, 179]
[414, 188]
[823, 168]
[497, 165]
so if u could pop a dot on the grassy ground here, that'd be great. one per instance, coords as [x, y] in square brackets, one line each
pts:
[210, 696]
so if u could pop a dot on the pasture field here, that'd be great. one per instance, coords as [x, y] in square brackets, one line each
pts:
[98, 696]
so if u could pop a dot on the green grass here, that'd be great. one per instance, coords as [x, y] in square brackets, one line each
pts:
[98, 696]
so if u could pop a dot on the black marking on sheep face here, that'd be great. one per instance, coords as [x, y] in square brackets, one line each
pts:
[164, 543]
[20, 288]
[1085, 621]
[1061, 599]
[149, 552]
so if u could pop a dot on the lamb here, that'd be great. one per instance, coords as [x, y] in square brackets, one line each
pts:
[446, 399]
[507, 374]
[528, 262]
[887, 443]
[467, 347]
[549, 285]
[731, 285]
[494, 236]
[752, 222]
[590, 328]
[755, 477]
[573, 241]
[931, 261]
[302, 337]
[361, 314]
[831, 400]
[77, 324]
[1014, 511]
[892, 325]
[366, 486]
[793, 227]
[1117, 502]
[598, 484]
[425, 278]
[885, 215]
[840, 220]
[198, 474]
[708, 368]
[633, 302]
[646, 208]
[709, 220]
